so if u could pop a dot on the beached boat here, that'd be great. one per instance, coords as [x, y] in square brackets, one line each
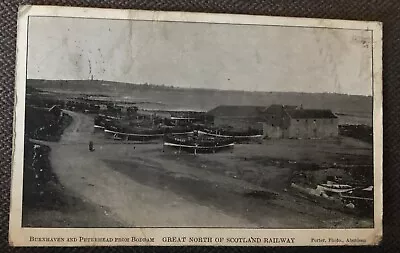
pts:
[237, 136]
[361, 198]
[99, 127]
[195, 144]
[335, 187]
[101, 122]
[117, 135]
[142, 134]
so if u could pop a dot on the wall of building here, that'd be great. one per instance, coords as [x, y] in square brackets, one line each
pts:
[276, 122]
[237, 123]
[276, 116]
[274, 132]
[313, 128]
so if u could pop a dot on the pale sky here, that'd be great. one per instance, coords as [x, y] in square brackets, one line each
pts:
[220, 56]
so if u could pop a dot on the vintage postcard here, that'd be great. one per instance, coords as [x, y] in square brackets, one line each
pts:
[171, 128]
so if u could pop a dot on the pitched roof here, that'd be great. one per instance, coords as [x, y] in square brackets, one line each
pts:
[274, 107]
[236, 111]
[310, 114]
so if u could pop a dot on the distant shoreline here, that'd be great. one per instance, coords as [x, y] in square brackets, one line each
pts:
[170, 87]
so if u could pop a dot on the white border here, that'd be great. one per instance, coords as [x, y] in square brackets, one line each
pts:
[19, 236]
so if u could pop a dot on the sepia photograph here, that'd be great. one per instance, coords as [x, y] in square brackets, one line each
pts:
[196, 122]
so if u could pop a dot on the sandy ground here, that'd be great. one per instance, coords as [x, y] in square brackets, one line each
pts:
[145, 185]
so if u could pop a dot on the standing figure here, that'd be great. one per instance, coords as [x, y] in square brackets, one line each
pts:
[91, 149]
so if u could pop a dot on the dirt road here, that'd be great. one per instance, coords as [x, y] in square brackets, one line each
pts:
[140, 185]
[132, 203]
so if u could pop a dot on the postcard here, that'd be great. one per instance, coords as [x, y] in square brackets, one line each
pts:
[137, 127]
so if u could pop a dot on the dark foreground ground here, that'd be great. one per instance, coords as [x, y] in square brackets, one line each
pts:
[130, 184]
[46, 202]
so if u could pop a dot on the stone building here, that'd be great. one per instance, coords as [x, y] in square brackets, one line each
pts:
[281, 121]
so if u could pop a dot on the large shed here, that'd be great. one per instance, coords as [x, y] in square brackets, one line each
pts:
[238, 117]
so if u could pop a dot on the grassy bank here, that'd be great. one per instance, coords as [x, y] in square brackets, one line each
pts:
[41, 188]
[43, 124]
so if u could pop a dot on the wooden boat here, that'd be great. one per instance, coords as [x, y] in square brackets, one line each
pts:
[102, 121]
[140, 134]
[335, 188]
[192, 143]
[132, 136]
[360, 197]
[237, 136]
[99, 127]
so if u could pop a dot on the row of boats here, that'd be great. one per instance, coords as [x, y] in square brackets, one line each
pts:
[190, 141]
[190, 138]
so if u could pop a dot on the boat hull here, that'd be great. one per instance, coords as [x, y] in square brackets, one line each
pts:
[136, 136]
[237, 138]
[199, 149]
[197, 144]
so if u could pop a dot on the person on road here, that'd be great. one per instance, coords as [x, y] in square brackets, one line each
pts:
[91, 146]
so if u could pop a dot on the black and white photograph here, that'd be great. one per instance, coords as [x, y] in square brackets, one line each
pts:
[144, 121]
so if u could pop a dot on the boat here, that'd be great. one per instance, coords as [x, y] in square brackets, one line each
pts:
[142, 134]
[99, 127]
[102, 121]
[335, 187]
[362, 198]
[132, 136]
[194, 143]
[237, 136]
